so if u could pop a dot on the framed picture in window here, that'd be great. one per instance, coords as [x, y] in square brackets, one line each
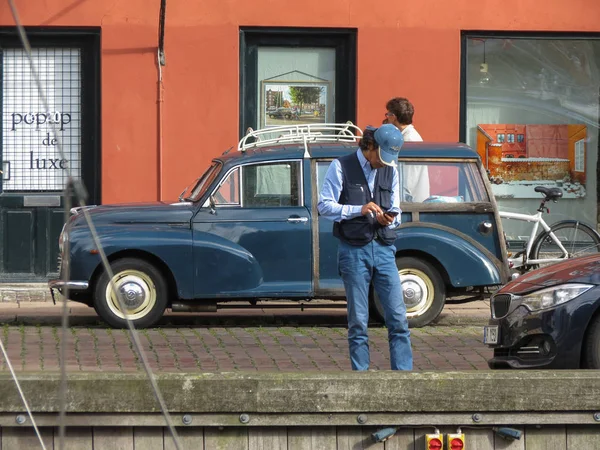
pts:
[549, 155]
[293, 102]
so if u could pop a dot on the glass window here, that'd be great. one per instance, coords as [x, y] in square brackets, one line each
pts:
[441, 183]
[322, 167]
[271, 185]
[203, 183]
[295, 85]
[510, 138]
[30, 152]
[546, 92]
[228, 192]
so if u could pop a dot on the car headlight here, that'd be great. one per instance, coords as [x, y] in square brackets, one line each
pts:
[554, 296]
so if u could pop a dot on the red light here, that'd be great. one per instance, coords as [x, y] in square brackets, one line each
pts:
[435, 444]
[456, 444]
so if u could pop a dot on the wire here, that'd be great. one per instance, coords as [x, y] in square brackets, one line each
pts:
[161, 33]
[12, 372]
[80, 194]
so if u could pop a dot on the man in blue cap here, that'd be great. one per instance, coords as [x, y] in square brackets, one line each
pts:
[361, 196]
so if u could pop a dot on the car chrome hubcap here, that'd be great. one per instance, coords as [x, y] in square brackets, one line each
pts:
[418, 291]
[138, 294]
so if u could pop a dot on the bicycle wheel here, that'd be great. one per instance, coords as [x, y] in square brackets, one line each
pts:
[577, 238]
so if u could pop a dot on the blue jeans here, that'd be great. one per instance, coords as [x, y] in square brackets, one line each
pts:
[359, 266]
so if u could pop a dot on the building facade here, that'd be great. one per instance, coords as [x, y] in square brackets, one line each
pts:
[518, 82]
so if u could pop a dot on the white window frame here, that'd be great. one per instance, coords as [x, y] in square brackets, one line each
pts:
[580, 155]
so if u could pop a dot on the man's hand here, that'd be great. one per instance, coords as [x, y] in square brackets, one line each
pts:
[385, 219]
[373, 209]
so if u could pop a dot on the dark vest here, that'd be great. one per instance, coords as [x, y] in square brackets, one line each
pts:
[355, 191]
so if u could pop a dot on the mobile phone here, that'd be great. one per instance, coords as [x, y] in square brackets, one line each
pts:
[393, 214]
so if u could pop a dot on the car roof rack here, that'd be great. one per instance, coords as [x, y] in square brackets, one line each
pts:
[302, 133]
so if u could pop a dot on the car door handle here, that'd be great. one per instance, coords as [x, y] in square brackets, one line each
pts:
[297, 219]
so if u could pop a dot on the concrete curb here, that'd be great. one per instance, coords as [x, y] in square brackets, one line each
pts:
[31, 304]
[307, 392]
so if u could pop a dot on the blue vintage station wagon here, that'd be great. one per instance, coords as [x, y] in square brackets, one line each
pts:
[248, 229]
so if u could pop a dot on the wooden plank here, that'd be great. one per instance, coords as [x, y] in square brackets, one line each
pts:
[25, 437]
[349, 438]
[312, 438]
[267, 438]
[582, 437]
[113, 438]
[76, 438]
[226, 438]
[190, 438]
[150, 438]
[480, 439]
[540, 438]
[357, 438]
[505, 444]
[367, 439]
[404, 439]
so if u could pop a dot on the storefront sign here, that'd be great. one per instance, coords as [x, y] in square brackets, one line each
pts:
[31, 134]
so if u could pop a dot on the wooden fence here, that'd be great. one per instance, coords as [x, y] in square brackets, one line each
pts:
[558, 410]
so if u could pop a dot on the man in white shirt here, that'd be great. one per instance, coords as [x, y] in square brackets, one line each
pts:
[415, 176]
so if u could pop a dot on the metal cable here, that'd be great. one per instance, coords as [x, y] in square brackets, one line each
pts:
[12, 372]
[79, 191]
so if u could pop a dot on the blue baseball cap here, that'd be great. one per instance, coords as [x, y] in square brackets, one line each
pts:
[390, 141]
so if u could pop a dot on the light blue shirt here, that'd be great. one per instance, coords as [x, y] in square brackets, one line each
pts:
[328, 205]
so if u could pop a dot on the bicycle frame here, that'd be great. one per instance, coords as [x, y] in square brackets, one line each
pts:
[537, 220]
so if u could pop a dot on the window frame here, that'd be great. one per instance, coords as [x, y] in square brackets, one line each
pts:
[579, 160]
[497, 34]
[241, 183]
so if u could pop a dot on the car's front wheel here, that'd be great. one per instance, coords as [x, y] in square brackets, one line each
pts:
[423, 289]
[143, 291]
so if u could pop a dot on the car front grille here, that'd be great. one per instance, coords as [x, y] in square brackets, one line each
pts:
[500, 305]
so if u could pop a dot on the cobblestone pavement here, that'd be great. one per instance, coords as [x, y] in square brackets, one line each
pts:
[208, 349]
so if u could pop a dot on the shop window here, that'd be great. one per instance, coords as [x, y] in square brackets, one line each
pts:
[30, 153]
[546, 90]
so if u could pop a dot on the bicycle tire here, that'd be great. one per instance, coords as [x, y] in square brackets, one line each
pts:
[592, 245]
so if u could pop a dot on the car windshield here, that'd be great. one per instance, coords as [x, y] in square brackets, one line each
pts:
[202, 183]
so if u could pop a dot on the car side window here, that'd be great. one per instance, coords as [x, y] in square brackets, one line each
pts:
[228, 193]
[441, 183]
[271, 185]
[322, 167]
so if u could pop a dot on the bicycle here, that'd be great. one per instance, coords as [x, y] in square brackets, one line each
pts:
[564, 239]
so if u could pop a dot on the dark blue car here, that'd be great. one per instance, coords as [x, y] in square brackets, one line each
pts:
[548, 318]
[248, 229]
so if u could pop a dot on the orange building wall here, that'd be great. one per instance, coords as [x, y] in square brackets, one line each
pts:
[408, 49]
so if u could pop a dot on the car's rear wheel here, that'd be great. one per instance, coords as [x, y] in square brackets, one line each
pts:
[423, 289]
[591, 346]
[143, 291]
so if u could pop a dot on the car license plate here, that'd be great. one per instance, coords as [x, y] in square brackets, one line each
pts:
[490, 334]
